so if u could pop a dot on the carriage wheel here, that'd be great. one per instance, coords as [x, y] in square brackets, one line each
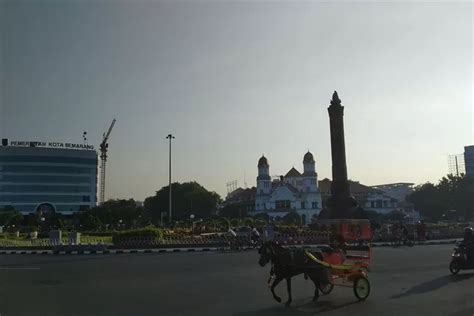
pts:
[326, 289]
[361, 288]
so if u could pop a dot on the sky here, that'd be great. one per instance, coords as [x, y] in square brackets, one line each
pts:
[235, 80]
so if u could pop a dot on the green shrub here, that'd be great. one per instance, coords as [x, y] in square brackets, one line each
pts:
[148, 232]
[29, 229]
[101, 234]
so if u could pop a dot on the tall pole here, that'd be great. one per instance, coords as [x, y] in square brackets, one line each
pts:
[170, 137]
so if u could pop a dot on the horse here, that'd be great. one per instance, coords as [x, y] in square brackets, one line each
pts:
[288, 263]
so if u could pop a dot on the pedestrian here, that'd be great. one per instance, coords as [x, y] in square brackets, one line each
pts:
[404, 233]
[254, 235]
[269, 231]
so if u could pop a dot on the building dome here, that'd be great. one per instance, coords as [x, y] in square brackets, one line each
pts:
[262, 161]
[308, 158]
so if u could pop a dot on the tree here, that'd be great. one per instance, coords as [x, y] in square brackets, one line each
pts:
[292, 218]
[116, 214]
[451, 193]
[33, 219]
[396, 215]
[9, 216]
[262, 216]
[222, 223]
[249, 221]
[235, 222]
[188, 198]
[234, 210]
[427, 201]
[90, 222]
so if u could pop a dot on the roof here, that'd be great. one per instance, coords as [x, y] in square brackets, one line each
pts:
[240, 195]
[292, 188]
[287, 185]
[293, 173]
[392, 185]
[262, 161]
[46, 152]
[355, 187]
[308, 158]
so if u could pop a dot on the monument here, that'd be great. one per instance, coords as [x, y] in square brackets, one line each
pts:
[341, 204]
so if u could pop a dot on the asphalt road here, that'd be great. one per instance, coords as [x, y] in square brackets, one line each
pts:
[404, 281]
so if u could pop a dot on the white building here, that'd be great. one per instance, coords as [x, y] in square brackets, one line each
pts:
[385, 198]
[294, 192]
[398, 191]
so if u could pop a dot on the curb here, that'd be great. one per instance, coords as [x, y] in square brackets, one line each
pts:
[112, 251]
[428, 243]
[173, 250]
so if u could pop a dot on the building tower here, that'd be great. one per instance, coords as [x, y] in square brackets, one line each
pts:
[310, 177]
[263, 184]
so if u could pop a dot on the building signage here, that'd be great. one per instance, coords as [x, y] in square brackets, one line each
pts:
[50, 145]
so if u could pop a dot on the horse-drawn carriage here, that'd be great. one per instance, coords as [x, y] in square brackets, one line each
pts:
[345, 262]
[349, 263]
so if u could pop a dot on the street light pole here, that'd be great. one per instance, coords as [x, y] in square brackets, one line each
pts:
[170, 137]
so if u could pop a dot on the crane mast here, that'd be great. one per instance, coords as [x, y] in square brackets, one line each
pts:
[103, 159]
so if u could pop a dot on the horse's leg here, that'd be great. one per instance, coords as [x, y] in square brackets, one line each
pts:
[275, 283]
[316, 285]
[288, 287]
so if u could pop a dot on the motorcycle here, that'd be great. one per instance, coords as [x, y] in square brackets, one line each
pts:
[459, 260]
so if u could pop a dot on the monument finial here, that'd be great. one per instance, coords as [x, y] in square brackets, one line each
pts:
[335, 99]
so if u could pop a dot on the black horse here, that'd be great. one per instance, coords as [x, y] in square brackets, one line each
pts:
[287, 263]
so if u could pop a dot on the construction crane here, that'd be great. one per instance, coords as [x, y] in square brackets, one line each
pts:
[103, 159]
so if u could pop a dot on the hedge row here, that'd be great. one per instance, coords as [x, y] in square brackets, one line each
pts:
[150, 232]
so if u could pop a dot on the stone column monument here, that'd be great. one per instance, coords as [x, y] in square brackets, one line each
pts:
[341, 204]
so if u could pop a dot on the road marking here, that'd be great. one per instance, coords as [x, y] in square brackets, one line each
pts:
[6, 268]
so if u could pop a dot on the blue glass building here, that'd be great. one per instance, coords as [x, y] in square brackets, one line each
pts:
[469, 160]
[47, 179]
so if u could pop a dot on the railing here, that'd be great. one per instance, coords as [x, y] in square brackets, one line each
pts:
[217, 241]
[49, 243]
[222, 241]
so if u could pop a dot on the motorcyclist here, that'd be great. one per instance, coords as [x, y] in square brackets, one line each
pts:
[421, 230]
[468, 244]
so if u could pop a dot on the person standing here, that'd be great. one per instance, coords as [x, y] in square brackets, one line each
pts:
[269, 232]
[254, 235]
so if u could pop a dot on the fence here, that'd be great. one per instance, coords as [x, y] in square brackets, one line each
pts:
[49, 243]
[217, 241]
[221, 241]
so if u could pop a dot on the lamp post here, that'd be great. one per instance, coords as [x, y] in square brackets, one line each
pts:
[42, 225]
[192, 223]
[162, 214]
[170, 137]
